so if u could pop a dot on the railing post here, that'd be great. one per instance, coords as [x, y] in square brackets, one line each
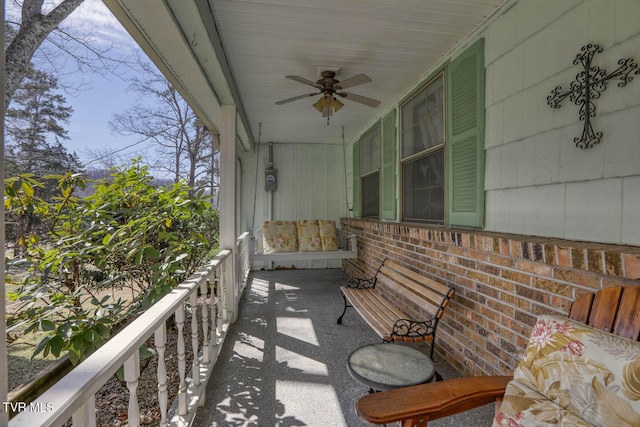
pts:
[228, 194]
[160, 339]
[131, 375]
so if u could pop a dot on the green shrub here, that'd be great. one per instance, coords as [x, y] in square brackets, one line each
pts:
[104, 258]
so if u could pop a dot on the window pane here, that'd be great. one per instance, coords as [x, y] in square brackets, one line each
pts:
[370, 151]
[423, 188]
[370, 195]
[423, 119]
[435, 112]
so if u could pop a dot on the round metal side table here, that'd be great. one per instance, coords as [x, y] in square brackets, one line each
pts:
[385, 366]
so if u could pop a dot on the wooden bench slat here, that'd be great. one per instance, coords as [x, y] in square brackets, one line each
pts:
[628, 320]
[374, 308]
[605, 306]
[433, 298]
[368, 313]
[581, 308]
[430, 283]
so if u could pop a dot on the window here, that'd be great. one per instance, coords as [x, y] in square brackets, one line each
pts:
[441, 151]
[370, 172]
[423, 160]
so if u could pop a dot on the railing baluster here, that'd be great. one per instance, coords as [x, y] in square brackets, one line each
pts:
[182, 391]
[131, 375]
[222, 291]
[86, 415]
[194, 338]
[160, 339]
[204, 292]
[215, 322]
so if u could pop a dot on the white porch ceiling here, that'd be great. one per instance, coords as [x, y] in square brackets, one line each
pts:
[223, 51]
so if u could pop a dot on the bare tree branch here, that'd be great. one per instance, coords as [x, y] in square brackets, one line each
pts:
[185, 147]
[39, 40]
[35, 27]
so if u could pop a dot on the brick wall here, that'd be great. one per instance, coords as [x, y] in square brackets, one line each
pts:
[502, 282]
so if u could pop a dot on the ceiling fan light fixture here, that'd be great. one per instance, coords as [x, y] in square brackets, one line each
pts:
[337, 105]
[319, 104]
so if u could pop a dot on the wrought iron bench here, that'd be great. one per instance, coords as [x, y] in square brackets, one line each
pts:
[586, 375]
[373, 300]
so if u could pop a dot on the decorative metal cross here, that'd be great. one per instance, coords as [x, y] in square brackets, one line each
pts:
[587, 87]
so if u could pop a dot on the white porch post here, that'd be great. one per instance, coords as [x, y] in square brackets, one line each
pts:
[3, 344]
[228, 226]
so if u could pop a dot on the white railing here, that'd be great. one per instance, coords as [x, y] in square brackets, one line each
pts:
[73, 397]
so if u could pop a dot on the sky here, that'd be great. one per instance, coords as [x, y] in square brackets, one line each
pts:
[94, 106]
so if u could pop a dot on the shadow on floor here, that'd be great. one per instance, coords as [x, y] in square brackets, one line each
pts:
[284, 360]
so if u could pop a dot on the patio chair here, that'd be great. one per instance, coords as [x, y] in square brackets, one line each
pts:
[614, 310]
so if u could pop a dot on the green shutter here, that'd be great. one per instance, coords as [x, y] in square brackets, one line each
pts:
[388, 167]
[465, 138]
[355, 205]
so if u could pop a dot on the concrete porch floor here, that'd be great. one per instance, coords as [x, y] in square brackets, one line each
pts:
[284, 360]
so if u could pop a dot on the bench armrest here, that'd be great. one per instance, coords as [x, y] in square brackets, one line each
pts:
[358, 283]
[432, 400]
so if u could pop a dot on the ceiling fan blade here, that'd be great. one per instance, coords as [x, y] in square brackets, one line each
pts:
[295, 98]
[352, 81]
[360, 99]
[304, 81]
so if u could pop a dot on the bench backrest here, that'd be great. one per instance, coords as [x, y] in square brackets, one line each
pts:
[615, 310]
[434, 294]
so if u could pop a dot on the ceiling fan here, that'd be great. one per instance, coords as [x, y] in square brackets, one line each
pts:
[329, 87]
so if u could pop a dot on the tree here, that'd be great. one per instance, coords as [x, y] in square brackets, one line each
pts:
[172, 125]
[39, 38]
[35, 26]
[37, 113]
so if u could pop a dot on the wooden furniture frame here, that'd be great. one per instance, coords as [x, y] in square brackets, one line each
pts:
[386, 318]
[350, 251]
[615, 310]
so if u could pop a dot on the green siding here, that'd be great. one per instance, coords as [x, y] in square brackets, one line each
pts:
[465, 138]
[388, 167]
[356, 203]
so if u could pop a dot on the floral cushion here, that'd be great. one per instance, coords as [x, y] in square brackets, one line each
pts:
[309, 236]
[328, 235]
[573, 375]
[279, 236]
[523, 406]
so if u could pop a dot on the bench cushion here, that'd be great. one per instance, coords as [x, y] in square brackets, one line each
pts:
[523, 406]
[328, 235]
[279, 236]
[309, 236]
[592, 374]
